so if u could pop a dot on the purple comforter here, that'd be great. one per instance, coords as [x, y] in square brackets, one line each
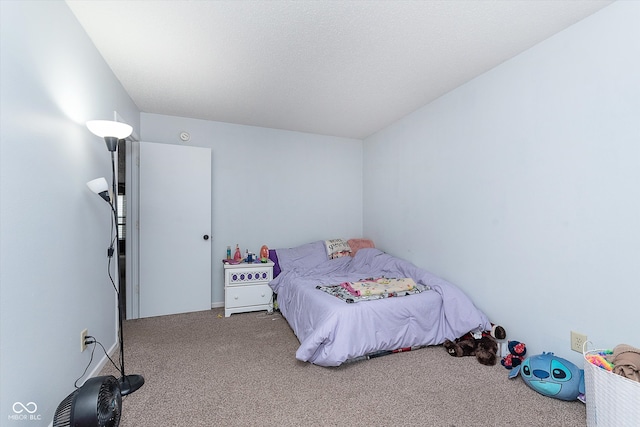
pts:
[331, 331]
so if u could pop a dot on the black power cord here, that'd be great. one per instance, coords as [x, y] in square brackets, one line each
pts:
[88, 340]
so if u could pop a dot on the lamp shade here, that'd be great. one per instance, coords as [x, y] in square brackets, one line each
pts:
[106, 128]
[100, 187]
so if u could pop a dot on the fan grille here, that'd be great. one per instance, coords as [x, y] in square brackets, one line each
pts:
[109, 403]
[62, 417]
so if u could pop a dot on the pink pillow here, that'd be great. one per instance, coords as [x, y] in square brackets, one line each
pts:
[356, 244]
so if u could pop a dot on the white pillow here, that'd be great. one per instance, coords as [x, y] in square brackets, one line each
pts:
[337, 248]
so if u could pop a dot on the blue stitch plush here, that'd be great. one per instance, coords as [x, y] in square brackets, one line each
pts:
[551, 376]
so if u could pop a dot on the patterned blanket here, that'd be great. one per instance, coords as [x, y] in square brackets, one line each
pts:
[371, 289]
[379, 286]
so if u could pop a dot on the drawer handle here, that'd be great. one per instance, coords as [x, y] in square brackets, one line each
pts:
[236, 297]
[262, 295]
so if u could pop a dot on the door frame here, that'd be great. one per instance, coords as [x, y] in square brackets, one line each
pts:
[132, 248]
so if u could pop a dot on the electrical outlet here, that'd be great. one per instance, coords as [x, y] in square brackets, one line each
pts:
[577, 341]
[83, 337]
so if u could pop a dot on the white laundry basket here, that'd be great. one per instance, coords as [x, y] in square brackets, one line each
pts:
[612, 400]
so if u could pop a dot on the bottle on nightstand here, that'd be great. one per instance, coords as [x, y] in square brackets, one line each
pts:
[264, 253]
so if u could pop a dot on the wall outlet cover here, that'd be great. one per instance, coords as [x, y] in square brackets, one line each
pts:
[83, 337]
[577, 341]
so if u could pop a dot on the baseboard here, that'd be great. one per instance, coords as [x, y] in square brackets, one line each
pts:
[217, 304]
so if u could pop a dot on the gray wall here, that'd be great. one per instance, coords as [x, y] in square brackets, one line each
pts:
[523, 186]
[54, 231]
[270, 186]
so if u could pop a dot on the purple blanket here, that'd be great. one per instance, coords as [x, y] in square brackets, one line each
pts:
[331, 332]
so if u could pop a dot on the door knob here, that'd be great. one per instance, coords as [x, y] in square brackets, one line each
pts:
[205, 237]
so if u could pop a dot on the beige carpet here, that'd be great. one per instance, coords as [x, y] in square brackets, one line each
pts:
[202, 369]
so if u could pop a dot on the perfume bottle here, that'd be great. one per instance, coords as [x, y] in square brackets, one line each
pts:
[264, 253]
[228, 252]
[237, 256]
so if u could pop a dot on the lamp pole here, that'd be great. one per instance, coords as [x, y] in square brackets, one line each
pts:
[128, 383]
[112, 132]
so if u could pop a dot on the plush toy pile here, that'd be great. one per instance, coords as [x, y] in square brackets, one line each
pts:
[482, 345]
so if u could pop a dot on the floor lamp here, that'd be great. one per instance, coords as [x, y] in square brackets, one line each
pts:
[112, 132]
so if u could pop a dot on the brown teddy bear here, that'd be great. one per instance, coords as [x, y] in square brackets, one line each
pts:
[483, 346]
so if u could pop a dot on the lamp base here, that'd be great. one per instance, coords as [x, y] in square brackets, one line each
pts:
[130, 383]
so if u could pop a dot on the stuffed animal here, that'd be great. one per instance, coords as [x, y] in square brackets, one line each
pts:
[551, 376]
[517, 350]
[481, 345]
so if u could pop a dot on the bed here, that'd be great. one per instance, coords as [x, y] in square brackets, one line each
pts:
[332, 330]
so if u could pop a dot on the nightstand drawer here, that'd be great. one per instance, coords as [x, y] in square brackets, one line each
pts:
[244, 296]
[248, 276]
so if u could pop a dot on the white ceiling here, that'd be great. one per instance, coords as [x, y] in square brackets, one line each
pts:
[344, 68]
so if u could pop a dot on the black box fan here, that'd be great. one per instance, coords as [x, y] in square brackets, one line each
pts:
[97, 403]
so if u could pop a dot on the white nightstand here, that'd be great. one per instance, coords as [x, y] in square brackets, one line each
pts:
[246, 287]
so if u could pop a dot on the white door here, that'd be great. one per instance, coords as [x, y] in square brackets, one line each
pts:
[175, 229]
